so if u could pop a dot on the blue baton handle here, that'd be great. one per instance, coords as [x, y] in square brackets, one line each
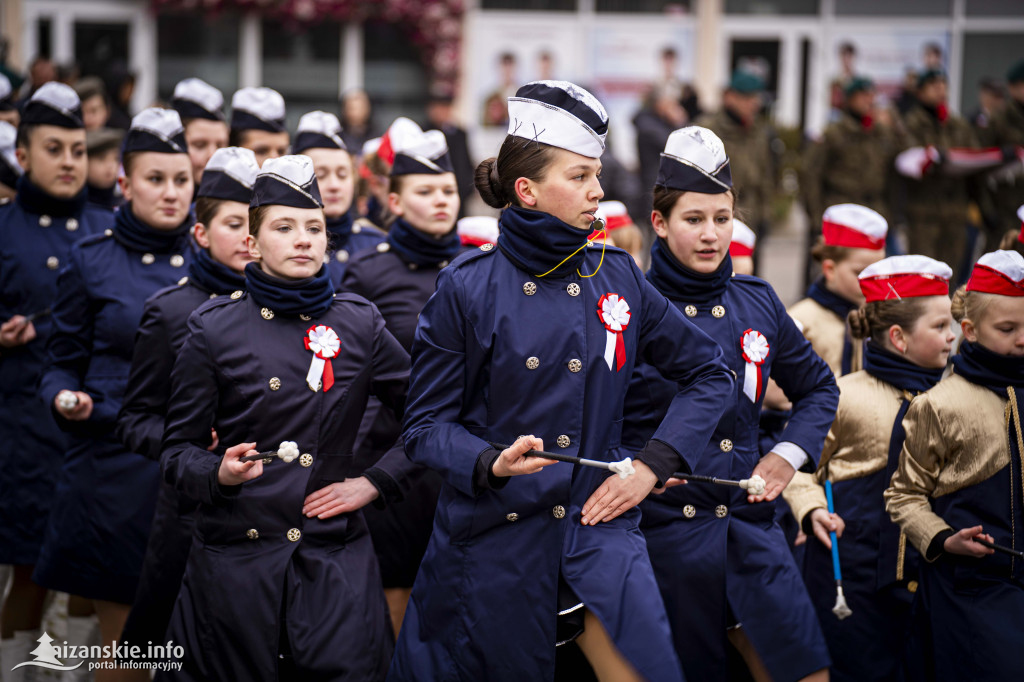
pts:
[832, 534]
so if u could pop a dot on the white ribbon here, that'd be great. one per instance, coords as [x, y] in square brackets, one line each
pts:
[615, 316]
[325, 344]
[755, 350]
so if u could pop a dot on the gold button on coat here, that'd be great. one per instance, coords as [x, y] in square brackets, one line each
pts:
[413, 266]
[689, 511]
[558, 512]
[575, 365]
[529, 288]
[267, 313]
[306, 460]
[341, 256]
[107, 232]
[305, 318]
[71, 225]
[718, 311]
[235, 295]
[512, 517]
[252, 534]
[183, 280]
[486, 247]
[294, 534]
[443, 264]
[177, 260]
[532, 362]
[53, 262]
[725, 445]
[721, 510]
[148, 258]
[45, 221]
[275, 383]
[912, 586]
[573, 289]
[563, 441]
[690, 310]
[383, 247]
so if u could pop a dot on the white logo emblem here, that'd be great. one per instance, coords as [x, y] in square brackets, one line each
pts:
[46, 656]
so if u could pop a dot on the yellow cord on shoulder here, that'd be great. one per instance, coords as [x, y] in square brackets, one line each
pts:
[604, 233]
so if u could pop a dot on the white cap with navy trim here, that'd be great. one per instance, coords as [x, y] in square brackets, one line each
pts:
[423, 152]
[195, 98]
[156, 130]
[560, 114]
[694, 160]
[287, 181]
[229, 174]
[318, 130]
[54, 104]
[258, 109]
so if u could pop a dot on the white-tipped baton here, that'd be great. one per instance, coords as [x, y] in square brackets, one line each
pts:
[67, 400]
[841, 609]
[287, 451]
[753, 485]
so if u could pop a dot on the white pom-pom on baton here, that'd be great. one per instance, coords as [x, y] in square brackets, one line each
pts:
[753, 485]
[623, 468]
[67, 400]
[288, 450]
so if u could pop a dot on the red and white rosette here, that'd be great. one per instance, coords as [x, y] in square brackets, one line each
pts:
[614, 313]
[325, 344]
[755, 352]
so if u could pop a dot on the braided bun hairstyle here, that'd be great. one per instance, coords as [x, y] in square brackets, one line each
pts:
[495, 178]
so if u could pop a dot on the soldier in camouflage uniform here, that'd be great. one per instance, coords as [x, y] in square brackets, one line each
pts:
[852, 162]
[1003, 190]
[748, 140]
[937, 204]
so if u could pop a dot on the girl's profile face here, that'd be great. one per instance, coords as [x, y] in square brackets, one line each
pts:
[930, 340]
[570, 189]
[1000, 328]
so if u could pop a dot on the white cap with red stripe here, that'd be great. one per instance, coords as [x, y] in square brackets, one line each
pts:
[854, 226]
[614, 214]
[743, 239]
[899, 277]
[999, 272]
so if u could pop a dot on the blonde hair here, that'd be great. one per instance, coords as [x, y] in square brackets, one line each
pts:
[627, 238]
[970, 305]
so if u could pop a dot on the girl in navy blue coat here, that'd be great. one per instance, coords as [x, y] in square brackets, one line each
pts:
[281, 581]
[99, 522]
[319, 138]
[398, 277]
[721, 560]
[221, 232]
[37, 230]
[539, 335]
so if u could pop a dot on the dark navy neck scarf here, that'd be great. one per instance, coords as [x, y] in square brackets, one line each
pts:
[211, 276]
[138, 236]
[995, 372]
[896, 370]
[819, 293]
[536, 242]
[36, 201]
[680, 283]
[425, 250]
[107, 198]
[311, 296]
[339, 229]
[906, 376]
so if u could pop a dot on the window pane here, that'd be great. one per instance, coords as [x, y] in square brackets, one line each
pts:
[394, 75]
[995, 8]
[648, 6]
[304, 66]
[986, 55]
[522, 5]
[192, 45]
[903, 8]
[771, 6]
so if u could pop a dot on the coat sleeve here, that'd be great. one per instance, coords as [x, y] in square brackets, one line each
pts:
[390, 383]
[69, 347]
[140, 423]
[191, 410]
[908, 498]
[352, 281]
[808, 382]
[684, 354]
[433, 435]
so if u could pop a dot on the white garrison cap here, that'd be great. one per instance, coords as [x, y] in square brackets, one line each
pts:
[560, 114]
[201, 93]
[238, 162]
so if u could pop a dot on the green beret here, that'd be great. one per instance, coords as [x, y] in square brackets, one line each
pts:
[746, 83]
[858, 84]
[929, 75]
[1016, 73]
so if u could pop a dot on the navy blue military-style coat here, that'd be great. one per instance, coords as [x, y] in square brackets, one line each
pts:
[718, 559]
[365, 235]
[257, 566]
[105, 496]
[140, 426]
[500, 352]
[33, 248]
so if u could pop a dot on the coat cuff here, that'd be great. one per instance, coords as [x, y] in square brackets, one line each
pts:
[220, 494]
[483, 474]
[936, 548]
[390, 491]
[792, 453]
[663, 460]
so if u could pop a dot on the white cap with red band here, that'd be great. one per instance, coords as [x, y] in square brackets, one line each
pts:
[743, 239]
[899, 277]
[854, 226]
[477, 230]
[999, 272]
[614, 214]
